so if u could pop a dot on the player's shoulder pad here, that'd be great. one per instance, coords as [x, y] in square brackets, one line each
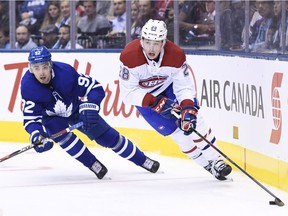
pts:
[63, 71]
[61, 65]
[26, 79]
[132, 55]
[66, 76]
[174, 56]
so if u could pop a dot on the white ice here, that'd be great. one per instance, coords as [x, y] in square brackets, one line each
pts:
[54, 184]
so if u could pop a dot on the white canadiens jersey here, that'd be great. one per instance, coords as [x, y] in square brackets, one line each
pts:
[139, 75]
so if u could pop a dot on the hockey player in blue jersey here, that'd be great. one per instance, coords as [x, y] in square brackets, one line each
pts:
[50, 96]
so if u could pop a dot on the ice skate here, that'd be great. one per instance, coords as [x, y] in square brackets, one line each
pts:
[219, 169]
[99, 169]
[151, 165]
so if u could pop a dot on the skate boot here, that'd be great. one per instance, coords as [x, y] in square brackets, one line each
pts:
[219, 169]
[99, 169]
[151, 165]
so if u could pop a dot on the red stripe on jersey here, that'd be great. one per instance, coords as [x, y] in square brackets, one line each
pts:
[191, 150]
[199, 140]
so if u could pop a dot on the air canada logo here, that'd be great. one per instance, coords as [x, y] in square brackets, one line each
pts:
[276, 108]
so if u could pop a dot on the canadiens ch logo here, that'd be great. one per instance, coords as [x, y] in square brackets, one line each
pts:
[152, 81]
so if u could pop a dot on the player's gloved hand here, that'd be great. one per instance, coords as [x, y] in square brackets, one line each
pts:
[38, 139]
[163, 106]
[88, 113]
[188, 120]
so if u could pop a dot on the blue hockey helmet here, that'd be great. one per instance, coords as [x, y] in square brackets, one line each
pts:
[39, 54]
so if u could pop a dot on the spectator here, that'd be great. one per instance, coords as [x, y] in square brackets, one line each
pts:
[93, 27]
[146, 12]
[134, 14]
[53, 15]
[202, 28]
[169, 20]
[4, 16]
[117, 37]
[208, 26]
[23, 38]
[238, 23]
[93, 23]
[254, 17]
[134, 10]
[49, 35]
[32, 13]
[281, 28]
[161, 6]
[79, 8]
[257, 40]
[64, 39]
[65, 13]
[4, 38]
[119, 21]
[274, 39]
[104, 8]
[225, 25]
[191, 14]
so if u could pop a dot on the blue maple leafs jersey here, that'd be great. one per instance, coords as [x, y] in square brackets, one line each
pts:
[60, 98]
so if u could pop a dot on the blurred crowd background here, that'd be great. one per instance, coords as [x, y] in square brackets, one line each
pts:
[258, 26]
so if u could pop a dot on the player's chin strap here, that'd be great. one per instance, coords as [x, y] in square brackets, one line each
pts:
[277, 201]
[66, 130]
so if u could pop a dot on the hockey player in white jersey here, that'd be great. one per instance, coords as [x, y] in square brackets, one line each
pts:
[154, 78]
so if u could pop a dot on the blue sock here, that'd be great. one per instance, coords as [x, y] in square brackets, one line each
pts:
[76, 148]
[126, 149]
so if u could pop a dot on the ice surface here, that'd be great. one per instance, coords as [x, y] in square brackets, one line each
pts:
[54, 184]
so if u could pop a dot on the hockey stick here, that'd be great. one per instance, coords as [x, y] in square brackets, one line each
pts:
[277, 201]
[66, 130]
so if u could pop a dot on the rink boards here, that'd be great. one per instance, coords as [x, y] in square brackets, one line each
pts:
[244, 100]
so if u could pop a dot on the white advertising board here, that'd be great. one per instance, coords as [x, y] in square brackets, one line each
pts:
[246, 95]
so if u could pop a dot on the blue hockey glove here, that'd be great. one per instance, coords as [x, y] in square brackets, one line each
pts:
[89, 113]
[163, 106]
[188, 120]
[41, 145]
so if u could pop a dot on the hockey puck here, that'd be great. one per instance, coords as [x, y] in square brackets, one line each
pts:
[272, 202]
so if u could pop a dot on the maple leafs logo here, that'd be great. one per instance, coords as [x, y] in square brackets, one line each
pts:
[60, 109]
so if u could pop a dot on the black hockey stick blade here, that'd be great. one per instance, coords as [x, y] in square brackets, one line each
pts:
[26, 148]
[277, 202]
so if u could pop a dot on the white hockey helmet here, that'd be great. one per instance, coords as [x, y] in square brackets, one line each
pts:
[154, 30]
